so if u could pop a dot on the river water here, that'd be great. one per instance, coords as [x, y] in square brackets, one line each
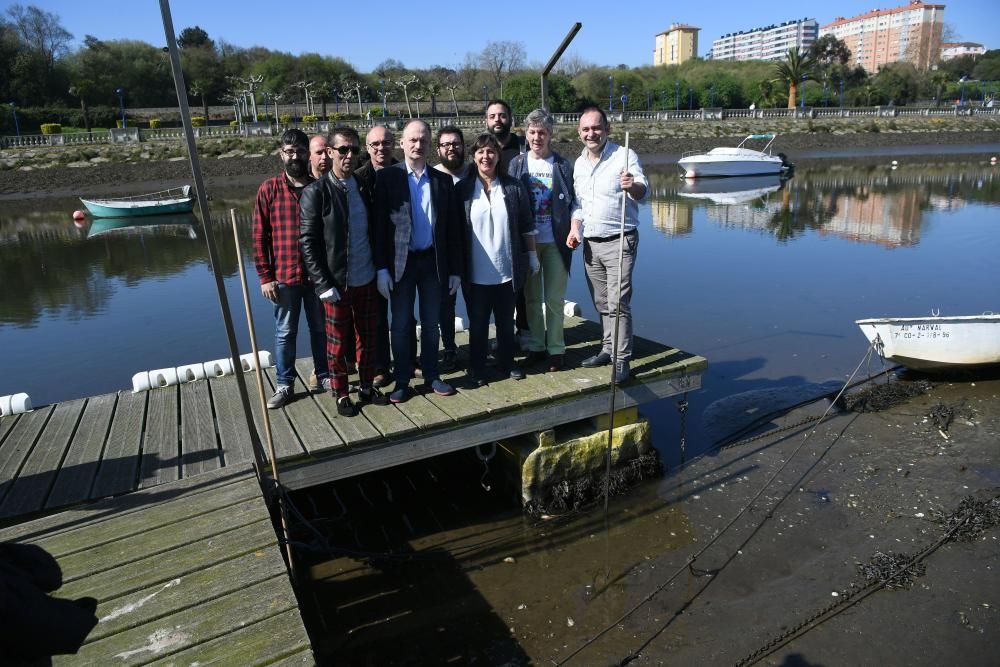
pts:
[764, 279]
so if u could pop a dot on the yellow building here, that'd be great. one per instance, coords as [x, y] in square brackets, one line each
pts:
[675, 45]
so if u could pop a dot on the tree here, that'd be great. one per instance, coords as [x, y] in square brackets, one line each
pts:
[405, 83]
[828, 50]
[899, 82]
[81, 89]
[501, 59]
[40, 30]
[792, 70]
[523, 92]
[194, 38]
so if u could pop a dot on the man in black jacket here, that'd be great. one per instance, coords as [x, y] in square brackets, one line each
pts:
[419, 250]
[337, 248]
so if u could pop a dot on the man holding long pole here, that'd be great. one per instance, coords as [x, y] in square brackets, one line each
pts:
[602, 172]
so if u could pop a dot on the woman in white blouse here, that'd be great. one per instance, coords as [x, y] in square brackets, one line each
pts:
[500, 230]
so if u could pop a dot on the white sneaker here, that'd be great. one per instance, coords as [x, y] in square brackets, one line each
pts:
[280, 397]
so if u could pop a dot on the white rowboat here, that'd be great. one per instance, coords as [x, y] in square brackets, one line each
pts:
[936, 342]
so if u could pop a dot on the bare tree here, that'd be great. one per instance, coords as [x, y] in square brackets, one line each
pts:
[573, 64]
[40, 30]
[417, 96]
[451, 86]
[502, 58]
[405, 83]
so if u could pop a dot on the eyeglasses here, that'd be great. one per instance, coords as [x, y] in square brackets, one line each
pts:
[380, 144]
[344, 150]
[450, 144]
[292, 152]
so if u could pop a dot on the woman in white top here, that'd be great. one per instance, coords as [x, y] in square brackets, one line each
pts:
[500, 230]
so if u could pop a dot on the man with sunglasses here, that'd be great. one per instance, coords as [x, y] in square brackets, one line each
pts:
[283, 276]
[337, 240]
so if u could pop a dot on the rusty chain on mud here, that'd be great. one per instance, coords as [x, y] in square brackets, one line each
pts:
[849, 598]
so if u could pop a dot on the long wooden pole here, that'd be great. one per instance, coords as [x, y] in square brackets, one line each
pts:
[614, 349]
[260, 391]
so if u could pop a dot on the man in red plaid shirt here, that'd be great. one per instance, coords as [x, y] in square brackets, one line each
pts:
[283, 276]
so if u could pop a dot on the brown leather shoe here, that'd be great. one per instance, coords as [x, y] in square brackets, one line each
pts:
[556, 362]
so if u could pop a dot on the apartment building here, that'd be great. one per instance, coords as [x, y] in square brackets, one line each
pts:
[951, 50]
[768, 43]
[676, 44]
[909, 33]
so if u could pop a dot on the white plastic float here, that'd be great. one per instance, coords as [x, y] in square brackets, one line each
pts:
[165, 377]
[571, 309]
[459, 326]
[14, 404]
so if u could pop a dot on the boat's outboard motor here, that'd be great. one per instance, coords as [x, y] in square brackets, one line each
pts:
[786, 166]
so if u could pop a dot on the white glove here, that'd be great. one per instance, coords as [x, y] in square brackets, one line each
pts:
[533, 262]
[330, 296]
[454, 282]
[384, 283]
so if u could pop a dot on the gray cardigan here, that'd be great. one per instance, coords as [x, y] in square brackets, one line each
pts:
[563, 197]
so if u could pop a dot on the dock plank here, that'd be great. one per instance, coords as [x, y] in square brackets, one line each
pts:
[120, 463]
[423, 413]
[286, 443]
[192, 626]
[115, 553]
[234, 436]
[314, 431]
[160, 568]
[199, 446]
[35, 479]
[277, 640]
[189, 590]
[161, 448]
[354, 430]
[6, 424]
[18, 445]
[459, 407]
[76, 475]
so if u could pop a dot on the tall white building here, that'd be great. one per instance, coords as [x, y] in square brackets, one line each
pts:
[769, 43]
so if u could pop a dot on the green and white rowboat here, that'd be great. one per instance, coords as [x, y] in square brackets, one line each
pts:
[174, 200]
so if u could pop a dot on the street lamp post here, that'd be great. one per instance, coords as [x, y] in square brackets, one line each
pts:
[826, 97]
[961, 97]
[611, 93]
[841, 93]
[486, 97]
[381, 83]
[677, 95]
[17, 126]
[690, 97]
[802, 98]
[336, 101]
[121, 102]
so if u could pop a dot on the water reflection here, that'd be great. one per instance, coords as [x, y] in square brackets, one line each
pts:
[884, 205]
[53, 266]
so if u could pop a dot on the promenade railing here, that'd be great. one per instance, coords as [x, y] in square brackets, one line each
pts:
[476, 121]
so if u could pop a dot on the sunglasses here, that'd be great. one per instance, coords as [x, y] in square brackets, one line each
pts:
[344, 150]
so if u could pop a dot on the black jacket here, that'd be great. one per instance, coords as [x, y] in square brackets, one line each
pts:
[520, 220]
[324, 232]
[563, 196]
[393, 222]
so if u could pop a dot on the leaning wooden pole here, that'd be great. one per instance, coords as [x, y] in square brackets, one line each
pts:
[282, 510]
[213, 257]
[615, 336]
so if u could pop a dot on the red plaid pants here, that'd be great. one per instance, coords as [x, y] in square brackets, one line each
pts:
[353, 318]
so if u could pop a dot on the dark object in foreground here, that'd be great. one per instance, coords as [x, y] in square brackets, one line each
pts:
[34, 625]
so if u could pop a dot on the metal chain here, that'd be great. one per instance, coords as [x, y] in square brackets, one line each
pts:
[766, 434]
[845, 600]
[682, 407]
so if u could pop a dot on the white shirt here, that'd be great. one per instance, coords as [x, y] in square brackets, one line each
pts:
[491, 261]
[599, 192]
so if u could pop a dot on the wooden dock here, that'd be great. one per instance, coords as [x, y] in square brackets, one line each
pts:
[82, 450]
[184, 573]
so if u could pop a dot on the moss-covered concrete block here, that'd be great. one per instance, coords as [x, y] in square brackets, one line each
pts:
[580, 456]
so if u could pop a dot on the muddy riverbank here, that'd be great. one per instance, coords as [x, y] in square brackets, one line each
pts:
[69, 172]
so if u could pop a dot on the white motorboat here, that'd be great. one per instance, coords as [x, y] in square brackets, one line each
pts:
[729, 191]
[738, 161]
[925, 343]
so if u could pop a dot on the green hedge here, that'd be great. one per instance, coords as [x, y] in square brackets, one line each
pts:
[51, 128]
[31, 119]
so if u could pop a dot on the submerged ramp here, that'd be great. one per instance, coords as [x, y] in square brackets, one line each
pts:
[186, 573]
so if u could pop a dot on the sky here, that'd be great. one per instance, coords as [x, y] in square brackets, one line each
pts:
[441, 33]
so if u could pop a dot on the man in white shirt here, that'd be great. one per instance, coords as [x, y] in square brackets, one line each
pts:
[601, 174]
